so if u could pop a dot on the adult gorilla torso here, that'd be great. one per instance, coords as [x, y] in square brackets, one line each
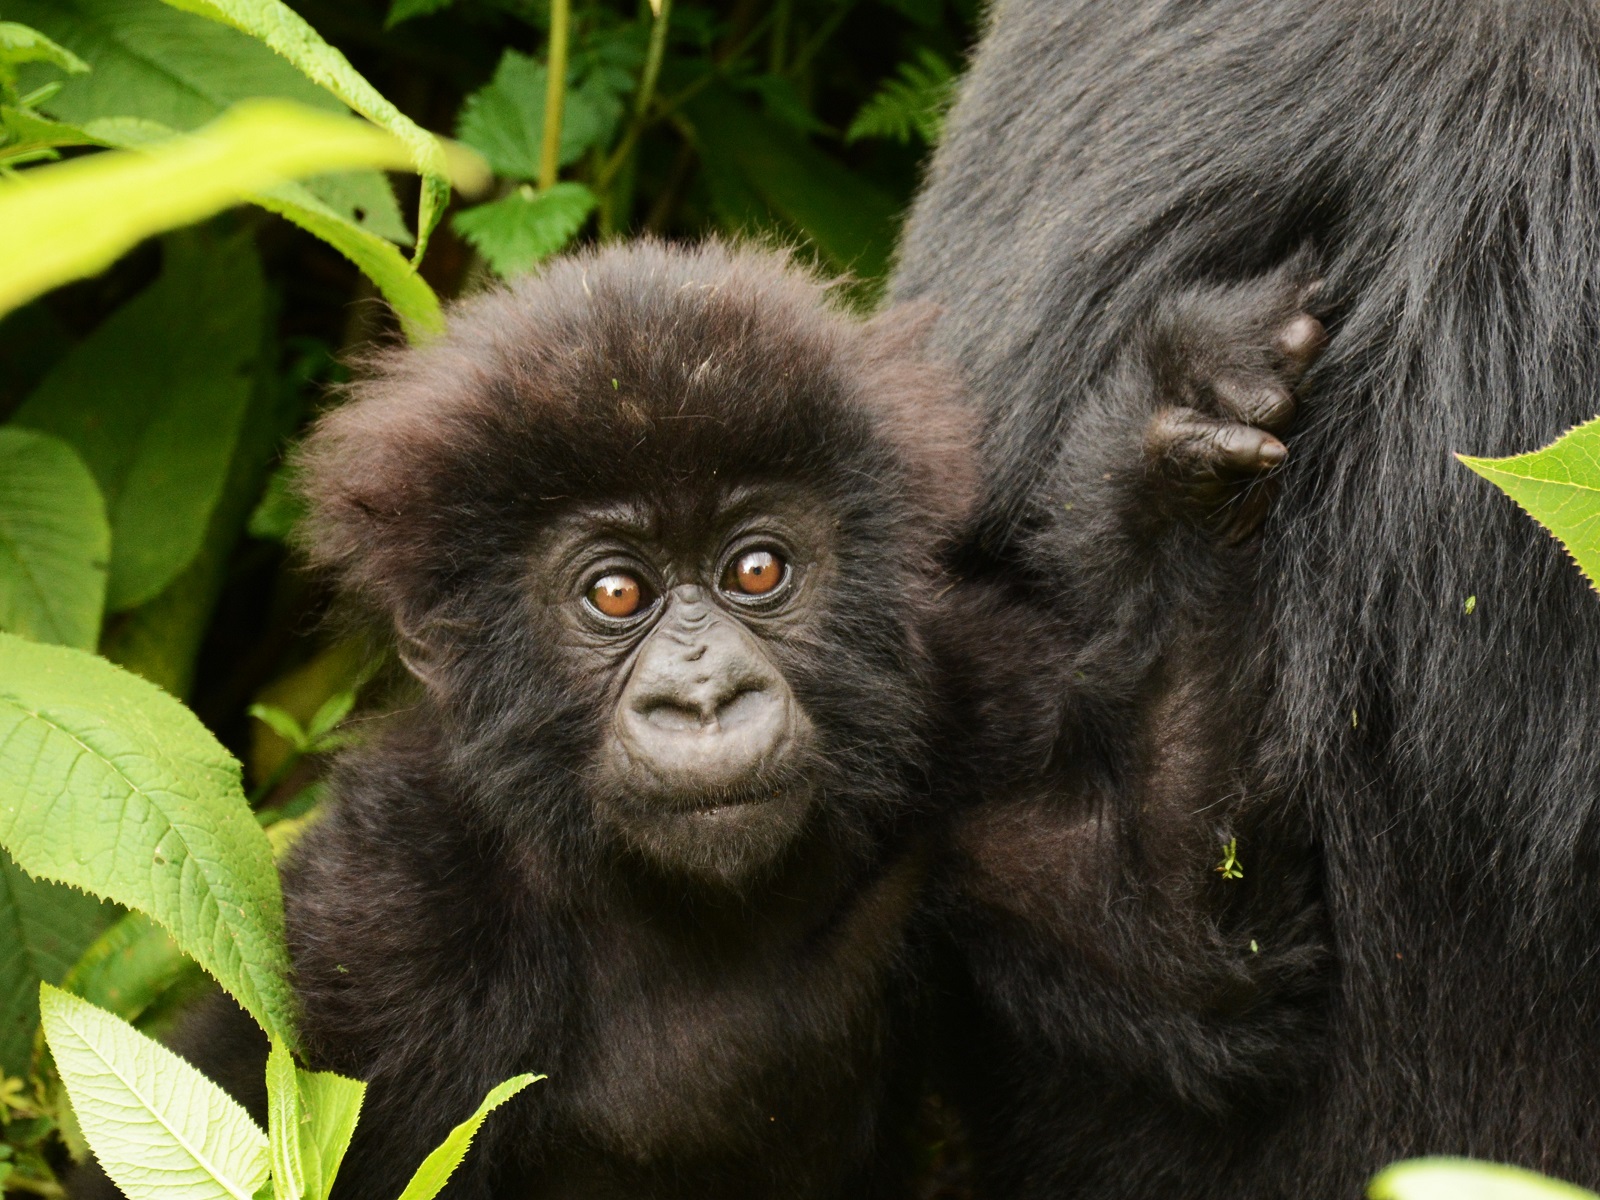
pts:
[1430, 765]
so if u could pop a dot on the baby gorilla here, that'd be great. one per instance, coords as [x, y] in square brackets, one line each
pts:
[656, 533]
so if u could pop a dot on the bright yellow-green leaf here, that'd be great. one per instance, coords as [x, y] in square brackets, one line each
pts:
[20, 44]
[1559, 487]
[61, 222]
[280, 27]
[1463, 1179]
[329, 1105]
[437, 1168]
[283, 1124]
[161, 1130]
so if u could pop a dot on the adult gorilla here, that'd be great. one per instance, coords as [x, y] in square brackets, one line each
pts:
[1386, 699]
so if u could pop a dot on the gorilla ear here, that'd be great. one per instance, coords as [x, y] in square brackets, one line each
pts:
[922, 409]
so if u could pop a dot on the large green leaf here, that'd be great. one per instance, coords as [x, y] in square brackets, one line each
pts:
[44, 927]
[1559, 487]
[285, 31]
[329, 1106]
[161, 1130]
[110, 785]
[55, 541]
[1464, 1179]
[153, 401]
[437, 1168]
[71, 219]
[154, 62]
[851, 222]
[517, 231]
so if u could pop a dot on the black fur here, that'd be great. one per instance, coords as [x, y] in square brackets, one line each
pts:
[1412, 787]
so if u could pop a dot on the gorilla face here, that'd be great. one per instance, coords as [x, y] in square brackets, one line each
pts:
[707, 764]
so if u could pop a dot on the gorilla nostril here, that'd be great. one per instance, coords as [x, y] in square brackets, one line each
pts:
[670, 716]
[746, 705]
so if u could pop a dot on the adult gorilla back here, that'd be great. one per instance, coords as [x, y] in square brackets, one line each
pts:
[1414, 778]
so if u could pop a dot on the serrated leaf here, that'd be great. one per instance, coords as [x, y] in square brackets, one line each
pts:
[44, 928]
[22, 44]
[55, 541]
[285, 31]
[283, 1124]
[517, 231]
[110, 785]
[1464, 1179]
[156, 63]
[504, 119]
[437, 1168]
[161, 1129]
[911, 104]
[330, 1106]
[1559, 487]
[154, 399]
[72, 219]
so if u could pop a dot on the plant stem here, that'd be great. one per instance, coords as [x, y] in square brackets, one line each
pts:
[555, 95]
[266, 787]
[646, 96]
[38, 1187]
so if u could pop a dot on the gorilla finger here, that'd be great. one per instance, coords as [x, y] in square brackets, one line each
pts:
[1270, 406]
[1300, 342]
[1194, 446]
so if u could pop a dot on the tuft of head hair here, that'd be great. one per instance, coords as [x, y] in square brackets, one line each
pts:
[641, 371]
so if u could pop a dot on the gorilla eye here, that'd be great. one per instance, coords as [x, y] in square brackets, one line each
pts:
[617, 594]
[754, 573]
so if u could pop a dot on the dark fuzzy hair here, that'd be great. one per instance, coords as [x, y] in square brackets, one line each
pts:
[1437, 760]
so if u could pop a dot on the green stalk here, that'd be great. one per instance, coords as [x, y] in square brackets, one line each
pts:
[555, 95]
[654, 54]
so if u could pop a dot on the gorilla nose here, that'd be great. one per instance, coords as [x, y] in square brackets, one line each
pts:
[701, 714]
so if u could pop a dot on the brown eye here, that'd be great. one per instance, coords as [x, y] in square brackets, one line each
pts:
[754, 573]
[617, 594]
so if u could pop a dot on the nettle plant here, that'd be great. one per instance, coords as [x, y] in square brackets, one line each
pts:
[109, 785]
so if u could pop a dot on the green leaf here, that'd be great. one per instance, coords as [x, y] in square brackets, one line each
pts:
[282, 724]
[504, 119]
[437, 1168]
[20, 44]
[280, 508]
[330, 714]
[1559, 487]
[283, 1124]
[55, 541]
[156, 63]
[1464, 1179]
[110, 785]
[154, 399]
[329, 1106]
[132, 969]
[517, 231]
[283, 29]
[911, 105]
[75, 218]
[365, 200]
[161, 1130]
[44, 927]
[850, 221]
[405, 10]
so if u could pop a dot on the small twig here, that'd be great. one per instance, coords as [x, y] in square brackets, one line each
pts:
[555, 92]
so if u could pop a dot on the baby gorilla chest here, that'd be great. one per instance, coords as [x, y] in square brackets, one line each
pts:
[715, 1071]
